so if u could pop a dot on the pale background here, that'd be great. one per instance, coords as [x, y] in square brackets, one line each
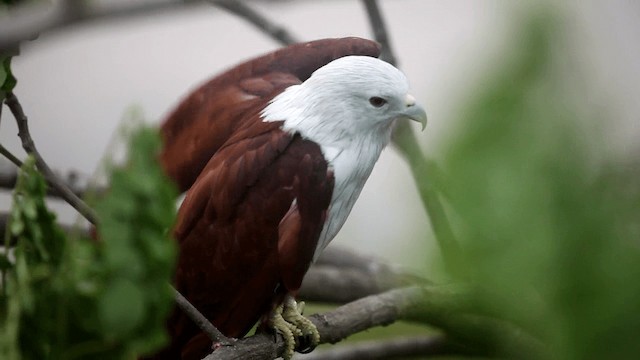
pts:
[76, 85]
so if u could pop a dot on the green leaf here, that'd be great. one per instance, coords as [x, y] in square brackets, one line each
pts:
[121, 308]
[77, 298]
[7, 80]
[548, 235]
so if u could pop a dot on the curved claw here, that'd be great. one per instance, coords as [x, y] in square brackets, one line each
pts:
[299, 333]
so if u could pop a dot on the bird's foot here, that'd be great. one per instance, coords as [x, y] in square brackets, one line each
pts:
[298, 332]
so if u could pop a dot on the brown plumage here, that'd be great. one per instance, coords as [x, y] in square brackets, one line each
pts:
[244, 241]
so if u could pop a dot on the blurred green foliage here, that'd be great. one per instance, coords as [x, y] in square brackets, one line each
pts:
[7, 80]
[547, 221]
[67, 298]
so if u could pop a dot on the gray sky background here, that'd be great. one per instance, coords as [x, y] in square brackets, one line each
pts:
[76, 85]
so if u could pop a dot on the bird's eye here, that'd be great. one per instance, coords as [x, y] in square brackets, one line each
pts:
[377, 101]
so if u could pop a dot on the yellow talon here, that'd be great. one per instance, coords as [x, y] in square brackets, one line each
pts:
[287, 320]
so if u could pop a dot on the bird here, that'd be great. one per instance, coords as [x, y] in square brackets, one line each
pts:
[272, 154]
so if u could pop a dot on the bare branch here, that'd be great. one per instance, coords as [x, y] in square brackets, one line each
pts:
[262, 23]
[429, 345]
[74, 181]
[9, 175]
[27, 21]
[380, 31]
[331, 284]
[200, 320]
[30, 147]
[425, 172]
[438, 306]
[334, 326]
[342, 257]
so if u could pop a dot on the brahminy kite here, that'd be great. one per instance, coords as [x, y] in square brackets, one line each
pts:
[273, 154]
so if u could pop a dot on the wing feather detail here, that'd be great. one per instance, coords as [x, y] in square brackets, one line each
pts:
[244, 245]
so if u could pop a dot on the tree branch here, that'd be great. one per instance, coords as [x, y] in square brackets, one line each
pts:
[261, 22]
[380, 31]
[423, 170]
[73, 180]
[26, 22]
[443, 307]
[425, 173]
[200, 320]
[30, 147]
[331, 284]
[7, 176]
[427, 345]
[334, 326]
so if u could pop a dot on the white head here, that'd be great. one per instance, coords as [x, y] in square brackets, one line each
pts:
[350, 99]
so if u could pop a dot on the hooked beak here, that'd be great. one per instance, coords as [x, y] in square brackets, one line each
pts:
[414, 111]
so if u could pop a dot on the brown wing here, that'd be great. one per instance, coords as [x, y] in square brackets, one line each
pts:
[258, 196]
[204, 121]
[247, 231]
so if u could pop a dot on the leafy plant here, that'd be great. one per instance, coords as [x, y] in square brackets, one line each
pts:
[548, 228]
[70, 298]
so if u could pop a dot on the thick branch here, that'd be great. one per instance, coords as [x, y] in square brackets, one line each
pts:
[446, 308]
[339, 285]
[334, 326]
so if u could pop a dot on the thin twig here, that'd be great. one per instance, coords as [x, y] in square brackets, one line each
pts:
[26, 22]
[205, 325]
[30, 147]
[14, 159]
[380, 31]
[71, 198]
[264, 24]
[424, 171]
[77, 184]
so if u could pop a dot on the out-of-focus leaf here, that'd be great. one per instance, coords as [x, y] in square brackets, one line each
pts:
[77, 298]
[121, 308]
[547, 239]
[7, 80]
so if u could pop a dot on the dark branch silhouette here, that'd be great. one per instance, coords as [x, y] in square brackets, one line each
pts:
[30, 147]
[261, 22]
[336, 325]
